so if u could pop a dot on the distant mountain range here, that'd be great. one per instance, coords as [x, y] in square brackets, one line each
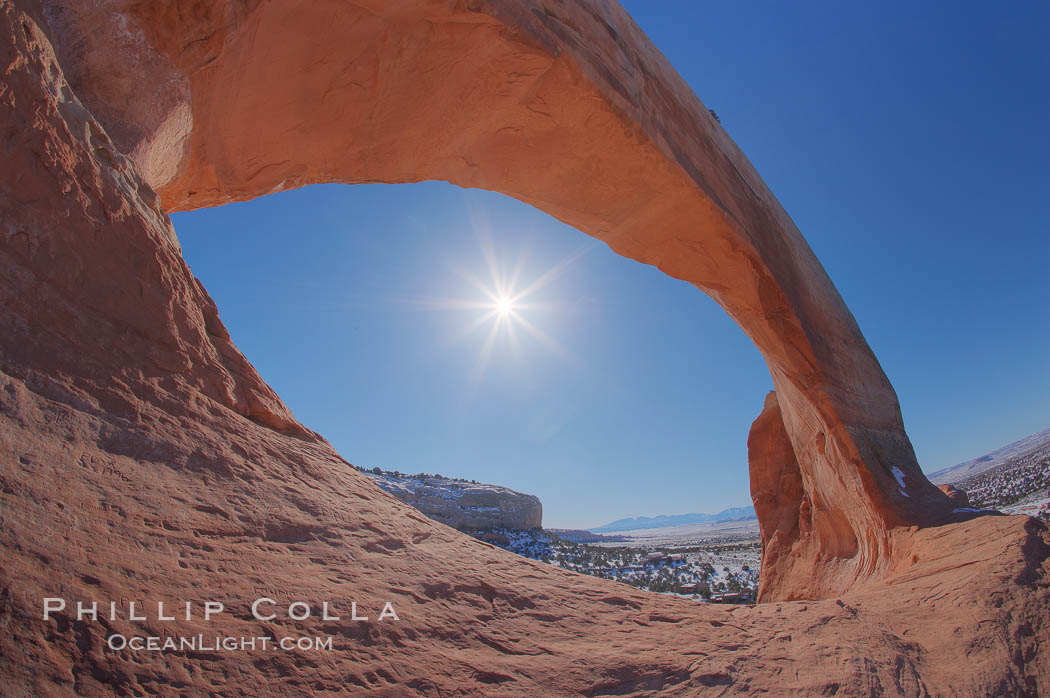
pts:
[964, 471]
[641, 522]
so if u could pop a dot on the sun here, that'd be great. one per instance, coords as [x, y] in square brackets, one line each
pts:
[504, 306]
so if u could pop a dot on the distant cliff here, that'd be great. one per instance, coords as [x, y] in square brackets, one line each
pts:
[462, 504]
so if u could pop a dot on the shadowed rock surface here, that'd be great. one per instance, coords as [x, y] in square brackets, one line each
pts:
[143, 458]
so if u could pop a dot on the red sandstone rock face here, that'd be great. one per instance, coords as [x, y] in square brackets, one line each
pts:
[143, 458]
[783, 508]
[955, 494]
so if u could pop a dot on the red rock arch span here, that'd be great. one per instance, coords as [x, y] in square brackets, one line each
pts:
[143, 458]
[566, 106]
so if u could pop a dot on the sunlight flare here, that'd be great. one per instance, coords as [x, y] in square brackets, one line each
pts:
[504, 303]
[504, 306]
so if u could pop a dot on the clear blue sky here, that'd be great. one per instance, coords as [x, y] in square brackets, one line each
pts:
[907, 140]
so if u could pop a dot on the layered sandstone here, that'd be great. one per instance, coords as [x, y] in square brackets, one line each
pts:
[142, 457]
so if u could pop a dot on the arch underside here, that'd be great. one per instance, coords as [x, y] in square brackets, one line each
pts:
[143, 455]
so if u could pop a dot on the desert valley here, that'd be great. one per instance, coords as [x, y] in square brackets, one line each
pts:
[706, 557]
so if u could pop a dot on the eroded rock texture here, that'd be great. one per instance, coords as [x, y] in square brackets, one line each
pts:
[142, 457]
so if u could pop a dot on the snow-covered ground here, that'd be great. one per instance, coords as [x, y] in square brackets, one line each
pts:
[692, 568]
[1032, 506]
[433, 486]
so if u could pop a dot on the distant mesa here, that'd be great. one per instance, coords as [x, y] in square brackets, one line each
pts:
[971, 468]
[665, 521]
[1014, 479]
[465, 505]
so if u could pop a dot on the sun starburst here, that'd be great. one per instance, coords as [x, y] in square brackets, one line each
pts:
[505, 304]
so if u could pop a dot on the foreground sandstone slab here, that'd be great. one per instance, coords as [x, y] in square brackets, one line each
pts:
[142, 457]
[142, 514]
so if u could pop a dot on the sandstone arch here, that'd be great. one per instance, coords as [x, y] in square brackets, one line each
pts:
[135, 435]
[566, 106]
